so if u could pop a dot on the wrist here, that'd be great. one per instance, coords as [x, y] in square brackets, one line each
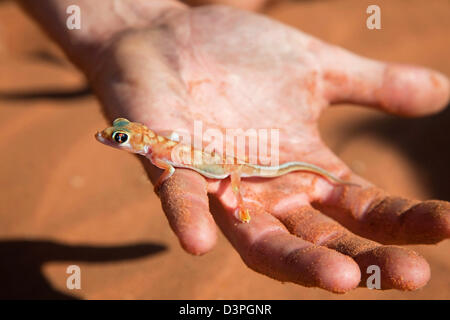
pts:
[100, 23]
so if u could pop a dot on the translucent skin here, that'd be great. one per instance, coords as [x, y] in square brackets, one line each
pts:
[165, 65]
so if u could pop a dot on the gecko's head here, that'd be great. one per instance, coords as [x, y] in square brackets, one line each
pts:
[124, 135]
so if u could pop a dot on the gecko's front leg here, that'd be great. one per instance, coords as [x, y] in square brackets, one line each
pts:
[168, 172]
[235, 177]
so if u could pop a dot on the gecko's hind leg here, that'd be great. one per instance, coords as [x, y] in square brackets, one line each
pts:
[235, 177]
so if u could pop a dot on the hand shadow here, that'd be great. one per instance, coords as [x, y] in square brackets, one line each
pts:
[21, 276]
[53, 94]
[425, 141]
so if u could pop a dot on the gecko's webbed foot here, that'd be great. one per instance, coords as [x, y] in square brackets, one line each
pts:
[243, 214]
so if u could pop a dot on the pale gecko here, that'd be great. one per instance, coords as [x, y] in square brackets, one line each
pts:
[137, 138]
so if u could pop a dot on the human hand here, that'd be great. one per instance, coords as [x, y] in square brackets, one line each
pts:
[234, 69]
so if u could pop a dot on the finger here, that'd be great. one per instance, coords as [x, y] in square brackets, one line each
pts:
[398, 89]
[267, 247]
[185, 203]
[400, 268]
[370, 212]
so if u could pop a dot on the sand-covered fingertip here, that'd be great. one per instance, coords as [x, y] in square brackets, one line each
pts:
[327, 269]
[400, 268]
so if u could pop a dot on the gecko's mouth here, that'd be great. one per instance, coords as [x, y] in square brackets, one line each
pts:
[99, 137]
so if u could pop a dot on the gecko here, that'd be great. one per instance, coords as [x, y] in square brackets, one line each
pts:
[137, 138]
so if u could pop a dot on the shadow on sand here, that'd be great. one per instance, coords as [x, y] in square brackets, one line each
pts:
[21, 275]
[46, 94]
[424, 141]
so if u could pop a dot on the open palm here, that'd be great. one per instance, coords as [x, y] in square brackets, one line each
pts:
[234, 69]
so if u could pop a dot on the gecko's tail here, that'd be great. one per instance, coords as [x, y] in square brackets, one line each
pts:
[285, 168]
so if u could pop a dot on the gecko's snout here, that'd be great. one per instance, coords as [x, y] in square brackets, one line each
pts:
[98, 136]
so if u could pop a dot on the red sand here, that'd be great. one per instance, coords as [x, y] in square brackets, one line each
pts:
[62, 203]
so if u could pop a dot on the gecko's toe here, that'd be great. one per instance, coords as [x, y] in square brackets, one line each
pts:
[244, 215]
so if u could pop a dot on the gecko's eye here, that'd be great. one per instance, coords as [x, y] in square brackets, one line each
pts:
[120, 137]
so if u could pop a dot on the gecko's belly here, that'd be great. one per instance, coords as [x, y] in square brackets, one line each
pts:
[213, 171]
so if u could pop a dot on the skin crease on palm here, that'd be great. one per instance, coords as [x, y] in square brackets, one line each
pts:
[165, 64]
